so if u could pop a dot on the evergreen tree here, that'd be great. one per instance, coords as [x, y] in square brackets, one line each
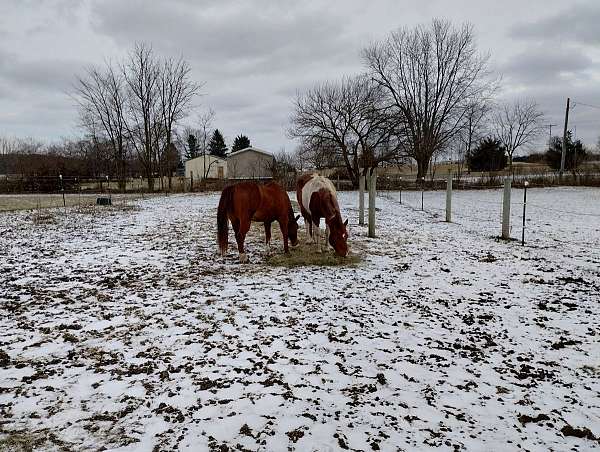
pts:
[240, 142]
[489, 155]
[192, 148]
[217, 146]
[575, 155]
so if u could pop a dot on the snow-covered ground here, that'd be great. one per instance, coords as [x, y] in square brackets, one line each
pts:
[121, 329]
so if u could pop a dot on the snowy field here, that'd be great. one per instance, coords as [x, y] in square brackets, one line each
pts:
[120, 329]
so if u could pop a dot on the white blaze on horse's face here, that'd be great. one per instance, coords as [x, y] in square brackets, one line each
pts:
[314, 185]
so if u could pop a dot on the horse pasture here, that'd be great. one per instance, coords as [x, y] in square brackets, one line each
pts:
[122, 329]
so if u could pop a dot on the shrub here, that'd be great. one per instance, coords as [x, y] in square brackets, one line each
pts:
[489, 155]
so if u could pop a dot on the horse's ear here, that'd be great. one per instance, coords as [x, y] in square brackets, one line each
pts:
[297, 218]
[346, 222]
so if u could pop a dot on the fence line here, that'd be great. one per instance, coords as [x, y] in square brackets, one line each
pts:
[496, 215]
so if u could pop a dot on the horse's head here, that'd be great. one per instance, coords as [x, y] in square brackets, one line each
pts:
[338, 237]
[293, 229]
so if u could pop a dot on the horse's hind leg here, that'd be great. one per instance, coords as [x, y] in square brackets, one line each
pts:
[268, 236]
[309, 231]
[316, 232]
[243, 226]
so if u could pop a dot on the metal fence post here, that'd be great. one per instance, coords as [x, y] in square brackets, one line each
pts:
[372, 194]
[506, 209]
[400, 189]
[449, 198]
[108, 188]
[524, 206]
[361, 198]
[422, 193]
[62, 189]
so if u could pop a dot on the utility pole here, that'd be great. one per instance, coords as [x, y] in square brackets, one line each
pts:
[564, 143]
[550, 125]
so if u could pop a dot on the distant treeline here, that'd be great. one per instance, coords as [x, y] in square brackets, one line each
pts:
[82, 158]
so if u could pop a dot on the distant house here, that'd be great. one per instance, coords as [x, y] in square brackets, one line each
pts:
[207, 166]
[250, 163]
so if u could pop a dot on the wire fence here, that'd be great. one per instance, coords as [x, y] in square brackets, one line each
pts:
[587, 178]
[74, 184]
[553, 216]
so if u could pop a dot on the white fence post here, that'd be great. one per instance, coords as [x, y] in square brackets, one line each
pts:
[372, 193]
[506, 209]
[449, 198]
[361, 198]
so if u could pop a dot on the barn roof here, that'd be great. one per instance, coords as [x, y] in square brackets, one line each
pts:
[207, 156]
[260, 151]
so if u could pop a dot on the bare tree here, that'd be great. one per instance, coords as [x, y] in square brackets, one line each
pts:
[347, 119]
[317, 153]
[431, 75]
[102, 99]
[176, 91]
[284, 170]
[518, 124]
[472, 132]
[205, 121]
[8, 145]
[141, 73]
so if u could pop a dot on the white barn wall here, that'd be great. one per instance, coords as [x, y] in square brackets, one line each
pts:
[196, 166]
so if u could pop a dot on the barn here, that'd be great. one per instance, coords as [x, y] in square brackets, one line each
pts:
[250, 163]
[206, 166]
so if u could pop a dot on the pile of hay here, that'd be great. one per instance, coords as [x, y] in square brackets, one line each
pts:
[306, 254]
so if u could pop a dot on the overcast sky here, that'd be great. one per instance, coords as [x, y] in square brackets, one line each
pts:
[254, 55]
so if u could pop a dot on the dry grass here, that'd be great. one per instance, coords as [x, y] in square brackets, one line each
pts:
[307, 255]
[45, 201]
[43, 218]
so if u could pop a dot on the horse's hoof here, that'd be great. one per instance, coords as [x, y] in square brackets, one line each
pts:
[244, 258]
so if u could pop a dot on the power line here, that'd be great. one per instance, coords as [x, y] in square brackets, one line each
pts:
[585, 105]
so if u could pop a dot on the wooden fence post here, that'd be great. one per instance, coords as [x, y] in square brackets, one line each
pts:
[506, 209]
[361, 198]
[372, 194]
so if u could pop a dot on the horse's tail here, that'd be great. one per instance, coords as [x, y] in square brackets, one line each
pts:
[225, 203]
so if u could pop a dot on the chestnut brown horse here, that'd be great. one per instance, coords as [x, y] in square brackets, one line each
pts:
[317, 199]
[245, 202]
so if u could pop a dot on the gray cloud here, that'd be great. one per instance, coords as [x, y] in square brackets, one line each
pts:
[255, 55]
[236, 42]
[43, 74]
[537, 65]
[576, 23]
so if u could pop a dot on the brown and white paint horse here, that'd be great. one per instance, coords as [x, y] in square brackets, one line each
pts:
[248, 201]
[317, 199]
